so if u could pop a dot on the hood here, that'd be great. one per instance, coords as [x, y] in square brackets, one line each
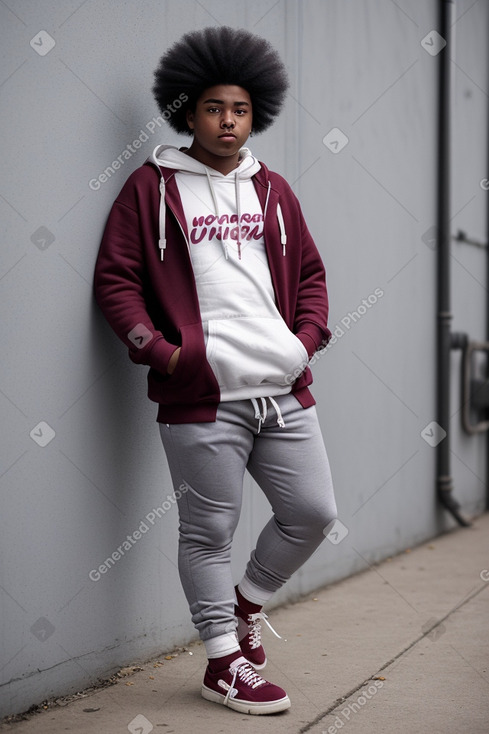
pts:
[169, 156]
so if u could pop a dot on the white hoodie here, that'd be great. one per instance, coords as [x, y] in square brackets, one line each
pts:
[248, 344]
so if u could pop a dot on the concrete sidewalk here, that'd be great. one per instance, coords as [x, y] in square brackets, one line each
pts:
[400, 648]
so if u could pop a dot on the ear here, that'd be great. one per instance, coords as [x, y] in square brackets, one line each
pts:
[190, 119]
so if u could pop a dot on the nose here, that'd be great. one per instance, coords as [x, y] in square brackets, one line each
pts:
[227, 121]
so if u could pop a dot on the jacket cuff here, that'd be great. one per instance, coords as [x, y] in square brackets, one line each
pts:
[308, 343]
[313, 338]
[160, 354]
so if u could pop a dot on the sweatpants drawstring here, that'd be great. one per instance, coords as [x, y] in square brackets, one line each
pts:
[261, 414]
[280, 419]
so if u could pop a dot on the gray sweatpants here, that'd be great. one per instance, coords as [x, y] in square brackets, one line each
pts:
[285, 454]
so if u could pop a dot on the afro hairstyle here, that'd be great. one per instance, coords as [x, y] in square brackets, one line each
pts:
[221, 55]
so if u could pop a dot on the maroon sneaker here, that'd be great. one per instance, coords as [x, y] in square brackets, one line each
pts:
[249, 636]
[241, 688]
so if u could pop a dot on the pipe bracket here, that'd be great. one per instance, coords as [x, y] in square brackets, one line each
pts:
[475, 395]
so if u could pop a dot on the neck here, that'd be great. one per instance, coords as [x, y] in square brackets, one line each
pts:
[223, 164]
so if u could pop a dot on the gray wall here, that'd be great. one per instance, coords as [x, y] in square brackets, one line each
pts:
[356, 65]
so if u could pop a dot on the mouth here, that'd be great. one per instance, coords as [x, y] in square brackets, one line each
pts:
[227, 136]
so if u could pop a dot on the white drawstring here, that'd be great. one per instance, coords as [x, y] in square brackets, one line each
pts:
[260, 417]
[261, 414]
[238, 207]
[162, 216]
[214, 199]
[281, 224]
[266, 200]
[280, 219]
[280, 419]
[162, 211]
[162, 208]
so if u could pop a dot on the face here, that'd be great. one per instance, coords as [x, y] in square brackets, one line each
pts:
[221, 123]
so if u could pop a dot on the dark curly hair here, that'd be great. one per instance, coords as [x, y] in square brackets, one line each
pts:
[222, 55]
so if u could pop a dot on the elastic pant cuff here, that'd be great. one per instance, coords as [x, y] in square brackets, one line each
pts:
[253, 593]
[218, 647]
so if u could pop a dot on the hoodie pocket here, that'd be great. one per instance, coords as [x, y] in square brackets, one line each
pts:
[251, 351]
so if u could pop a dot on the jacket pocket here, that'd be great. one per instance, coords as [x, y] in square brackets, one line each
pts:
[192, 379]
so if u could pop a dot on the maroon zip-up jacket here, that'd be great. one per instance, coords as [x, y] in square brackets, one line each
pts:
[152, 305]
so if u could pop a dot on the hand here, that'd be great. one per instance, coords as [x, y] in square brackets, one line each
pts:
[173, 361]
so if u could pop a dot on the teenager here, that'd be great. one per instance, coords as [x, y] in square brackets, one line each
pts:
[209, 275]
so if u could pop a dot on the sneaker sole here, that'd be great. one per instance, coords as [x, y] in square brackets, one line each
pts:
[247, 707]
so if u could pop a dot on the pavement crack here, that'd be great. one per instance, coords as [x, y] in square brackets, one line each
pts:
[339, 701]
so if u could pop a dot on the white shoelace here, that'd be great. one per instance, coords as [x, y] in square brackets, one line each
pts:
[261, 414]
[248, 675]
[254, 627]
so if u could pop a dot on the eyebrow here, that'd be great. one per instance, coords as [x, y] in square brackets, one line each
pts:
[220, 101]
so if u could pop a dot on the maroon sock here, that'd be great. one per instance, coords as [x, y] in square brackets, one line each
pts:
[216, 665]
[246, 606]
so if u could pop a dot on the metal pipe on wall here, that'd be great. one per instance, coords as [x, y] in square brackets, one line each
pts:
[487, 277]
[444, 482]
